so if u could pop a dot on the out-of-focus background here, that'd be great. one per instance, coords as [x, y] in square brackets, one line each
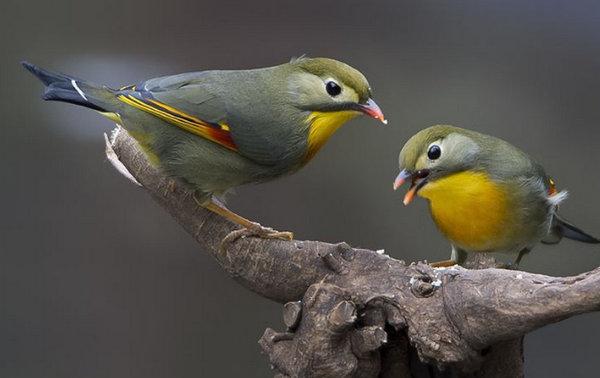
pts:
[97, 281]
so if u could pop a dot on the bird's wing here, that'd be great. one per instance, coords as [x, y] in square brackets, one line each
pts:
[183, 101]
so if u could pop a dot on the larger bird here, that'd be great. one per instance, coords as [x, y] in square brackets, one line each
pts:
[484, 194]
[215, 130]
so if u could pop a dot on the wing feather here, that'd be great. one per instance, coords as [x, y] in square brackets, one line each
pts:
[169, 111]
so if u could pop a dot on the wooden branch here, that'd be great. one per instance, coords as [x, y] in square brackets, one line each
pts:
[361, 312]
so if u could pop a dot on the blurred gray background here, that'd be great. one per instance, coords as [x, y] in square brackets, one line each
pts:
[97, 281]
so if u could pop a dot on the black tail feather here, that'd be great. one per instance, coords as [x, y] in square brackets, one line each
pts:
[564, 229]
[61, 87]
[569, 231]
[46, 77]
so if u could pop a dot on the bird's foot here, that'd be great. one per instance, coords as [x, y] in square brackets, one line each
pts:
[508, 266]
[256, 230]
[443, 263]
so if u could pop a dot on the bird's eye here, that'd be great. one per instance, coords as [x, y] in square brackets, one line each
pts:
[333, 88]
[434, 152]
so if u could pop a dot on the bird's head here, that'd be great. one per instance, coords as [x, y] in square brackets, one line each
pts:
[332, 92]
[327, 85]
[434, 153]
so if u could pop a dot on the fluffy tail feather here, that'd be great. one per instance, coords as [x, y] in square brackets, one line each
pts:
[564, 229]
[65, 88]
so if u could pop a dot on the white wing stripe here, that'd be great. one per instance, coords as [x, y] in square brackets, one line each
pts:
[74, 84]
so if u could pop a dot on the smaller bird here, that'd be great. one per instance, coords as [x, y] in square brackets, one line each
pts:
[485, 195]
[219, 129]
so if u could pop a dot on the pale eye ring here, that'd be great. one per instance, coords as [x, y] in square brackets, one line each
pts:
[434, 152]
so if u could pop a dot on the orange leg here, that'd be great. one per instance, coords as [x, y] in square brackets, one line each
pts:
[443, 263]
[250, 228]
[228, 214]
[458, 256]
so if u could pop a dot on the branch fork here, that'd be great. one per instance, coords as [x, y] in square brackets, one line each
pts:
[358, 313]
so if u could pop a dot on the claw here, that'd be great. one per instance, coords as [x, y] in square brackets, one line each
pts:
[258, 231]
[267, 232]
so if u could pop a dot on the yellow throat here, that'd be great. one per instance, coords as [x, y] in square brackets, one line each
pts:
[471, 210]
[322, 126]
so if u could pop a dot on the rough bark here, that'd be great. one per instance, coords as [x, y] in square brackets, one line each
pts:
[355, 312]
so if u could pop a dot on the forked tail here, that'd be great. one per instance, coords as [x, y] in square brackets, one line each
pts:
[65, 88]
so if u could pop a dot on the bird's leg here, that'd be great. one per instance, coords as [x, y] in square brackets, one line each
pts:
[458, 256]
[443, 263]
[520, 256]
[250, 228]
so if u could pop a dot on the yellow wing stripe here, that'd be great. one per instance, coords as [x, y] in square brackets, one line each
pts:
[176, 111]
[188, 126]
[197, 127]
[184, 121]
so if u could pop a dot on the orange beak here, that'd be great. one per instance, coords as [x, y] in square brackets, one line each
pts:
[418, 180]
[410, 195]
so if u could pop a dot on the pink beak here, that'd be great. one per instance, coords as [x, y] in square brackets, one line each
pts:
[401, 179]
[373, 110]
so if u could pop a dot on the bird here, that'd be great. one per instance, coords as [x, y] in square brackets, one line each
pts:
[484, 194]
[218, 129]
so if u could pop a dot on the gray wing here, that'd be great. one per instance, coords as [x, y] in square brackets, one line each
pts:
[506, 162]
[185, 101]
[196, 102]
[190, 92]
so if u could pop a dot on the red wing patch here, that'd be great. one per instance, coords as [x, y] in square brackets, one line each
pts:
[216, 132]
[551, 187]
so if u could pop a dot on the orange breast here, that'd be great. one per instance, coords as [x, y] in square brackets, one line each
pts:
[471, 210]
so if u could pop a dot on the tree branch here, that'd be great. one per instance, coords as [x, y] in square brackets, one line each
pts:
[361, 312]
